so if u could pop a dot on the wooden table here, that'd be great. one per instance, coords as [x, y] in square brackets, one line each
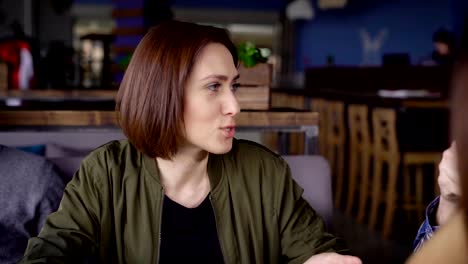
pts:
[282, 122]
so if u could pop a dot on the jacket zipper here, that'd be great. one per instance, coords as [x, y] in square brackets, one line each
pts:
[160, 220]
[217, 230]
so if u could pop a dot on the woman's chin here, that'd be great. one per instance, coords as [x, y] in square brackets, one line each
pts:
[222, 148]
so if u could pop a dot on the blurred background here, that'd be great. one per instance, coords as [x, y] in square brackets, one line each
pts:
[377, 72]
[93, 38]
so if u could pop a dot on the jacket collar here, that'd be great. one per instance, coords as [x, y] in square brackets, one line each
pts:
[214, 168]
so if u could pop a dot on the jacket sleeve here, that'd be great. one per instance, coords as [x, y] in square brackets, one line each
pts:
[70, 235]
[302, 230]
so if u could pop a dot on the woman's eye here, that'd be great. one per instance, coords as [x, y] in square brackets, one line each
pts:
[235, 86]
[214, 87]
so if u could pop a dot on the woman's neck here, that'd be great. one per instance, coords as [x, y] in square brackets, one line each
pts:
[185, 177]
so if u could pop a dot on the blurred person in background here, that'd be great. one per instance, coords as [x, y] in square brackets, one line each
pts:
[443, 42]
[444, 45]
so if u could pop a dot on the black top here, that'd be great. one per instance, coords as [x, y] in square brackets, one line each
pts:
[189, 235]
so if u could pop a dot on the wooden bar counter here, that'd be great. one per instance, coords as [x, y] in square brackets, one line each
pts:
[281, 122]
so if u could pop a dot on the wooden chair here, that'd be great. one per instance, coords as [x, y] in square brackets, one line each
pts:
[335, 130]
[360, 151]
[386, 150]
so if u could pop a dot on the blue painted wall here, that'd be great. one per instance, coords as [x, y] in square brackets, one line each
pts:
[109, 2]
[239, 4]
[410, 24]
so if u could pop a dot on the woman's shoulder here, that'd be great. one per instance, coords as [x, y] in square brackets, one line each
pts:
[251, 150]
[116, 152]
[255, 156]
[111, 164]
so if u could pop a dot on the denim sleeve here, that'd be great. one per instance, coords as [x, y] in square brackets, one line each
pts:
[428, 227]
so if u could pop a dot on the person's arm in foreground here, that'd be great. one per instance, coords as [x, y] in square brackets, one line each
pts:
[443, 207]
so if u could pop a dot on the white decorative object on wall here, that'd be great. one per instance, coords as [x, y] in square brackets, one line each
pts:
[330, 4]
[372, 47]
[300, 9]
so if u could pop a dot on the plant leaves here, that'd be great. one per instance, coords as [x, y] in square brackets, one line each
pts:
[249, 54]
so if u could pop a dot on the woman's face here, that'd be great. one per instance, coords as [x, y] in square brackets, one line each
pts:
[210, 103]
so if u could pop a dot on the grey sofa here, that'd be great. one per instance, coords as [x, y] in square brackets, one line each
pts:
[67, 148]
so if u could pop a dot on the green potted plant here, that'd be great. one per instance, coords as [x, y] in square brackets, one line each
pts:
[255, 77]
[250, 55]
[253, 68]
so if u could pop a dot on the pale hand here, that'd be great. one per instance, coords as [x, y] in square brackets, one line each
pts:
[333, 258]
[449, 184]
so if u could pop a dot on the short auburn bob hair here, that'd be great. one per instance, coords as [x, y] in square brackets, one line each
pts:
[150, 100]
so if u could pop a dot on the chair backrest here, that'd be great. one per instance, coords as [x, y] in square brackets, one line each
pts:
[359, 127]
[360, 149]
[385, 138]
[336, 138]
[385, 151]
[335, 123]
[312, 173]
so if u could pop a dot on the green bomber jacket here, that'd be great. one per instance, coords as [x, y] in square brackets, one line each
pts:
[111, 210]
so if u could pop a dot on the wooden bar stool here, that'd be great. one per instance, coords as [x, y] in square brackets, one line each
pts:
[413, 199]
[295, 139]
[335, 144]
[386, 150]
[319, 105]
[360, 151]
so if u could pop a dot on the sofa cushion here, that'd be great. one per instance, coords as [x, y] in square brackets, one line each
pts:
[54, 150]
[313, 174]
[67, 166]
[34, 149]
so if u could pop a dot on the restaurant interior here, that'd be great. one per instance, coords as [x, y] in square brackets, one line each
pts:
[354, 94]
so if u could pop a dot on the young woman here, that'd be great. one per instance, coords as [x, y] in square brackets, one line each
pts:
[182, 189]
